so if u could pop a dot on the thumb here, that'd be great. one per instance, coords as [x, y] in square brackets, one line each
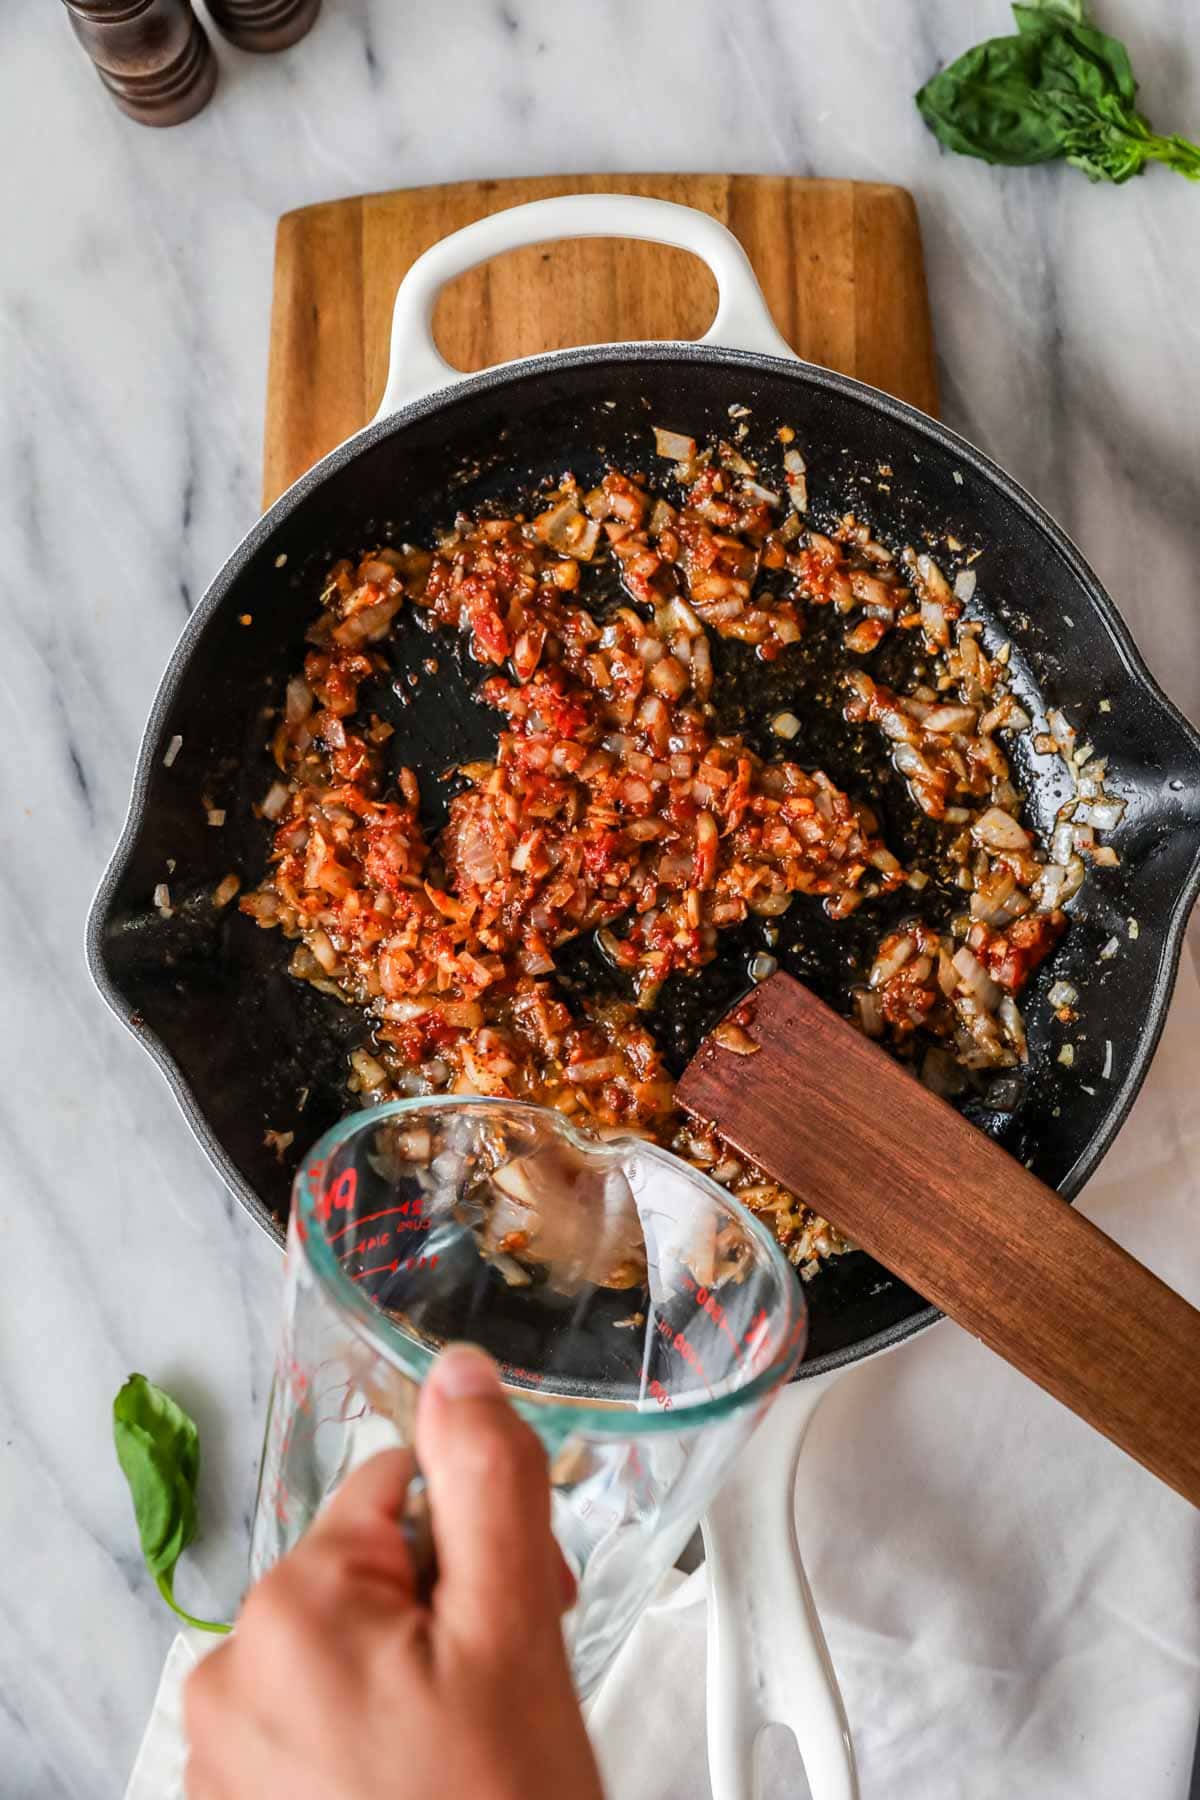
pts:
[499, 1569]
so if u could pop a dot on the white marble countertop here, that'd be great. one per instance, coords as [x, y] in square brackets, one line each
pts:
[134, 299]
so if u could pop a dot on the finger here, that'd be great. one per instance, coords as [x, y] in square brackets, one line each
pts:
[359, 1532]
[498, 1564]
[372, 1496]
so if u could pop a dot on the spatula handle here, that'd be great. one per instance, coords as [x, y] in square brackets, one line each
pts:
[831, 1116]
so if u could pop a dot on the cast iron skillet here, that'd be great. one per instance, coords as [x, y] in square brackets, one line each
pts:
[241, 1042]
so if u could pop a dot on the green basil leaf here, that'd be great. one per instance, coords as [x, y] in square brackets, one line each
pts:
[158, 1448]
[1085, 63]
[1036, 14]
[1059, 88]
[986, 104]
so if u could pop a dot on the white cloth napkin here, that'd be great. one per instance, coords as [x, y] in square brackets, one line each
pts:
[1013, 1607]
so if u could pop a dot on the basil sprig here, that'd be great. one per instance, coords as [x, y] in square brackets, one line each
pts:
[158, 1448]
[1058, 88]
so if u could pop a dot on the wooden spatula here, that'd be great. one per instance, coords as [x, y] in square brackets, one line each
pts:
[829, 1114]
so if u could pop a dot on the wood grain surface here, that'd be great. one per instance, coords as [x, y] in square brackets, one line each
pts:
[830, 1115]
[839, 261]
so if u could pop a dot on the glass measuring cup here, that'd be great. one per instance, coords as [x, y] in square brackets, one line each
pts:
[641, 1318]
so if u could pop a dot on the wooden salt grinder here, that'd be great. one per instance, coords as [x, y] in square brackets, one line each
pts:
[151, 55]
[264, 24]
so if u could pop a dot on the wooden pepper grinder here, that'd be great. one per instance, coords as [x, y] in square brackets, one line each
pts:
[151, 55]
[264, 24]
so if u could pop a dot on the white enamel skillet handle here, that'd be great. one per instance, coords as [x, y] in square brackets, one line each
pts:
[767, 1660]
[415, 366]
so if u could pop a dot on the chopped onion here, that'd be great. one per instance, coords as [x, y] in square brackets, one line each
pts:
[933, 622]
[1106, 1071]
[416, 1145]
[673, 445]
[215, 815]
[869, 1008]
[1062, 994]
[162, 899]
[1133, 928]
[1110, 949]
[1063, 734]
[1062, 846]
[225, 890]
[1066, 1055]
[566, 530]
[891, 961]
[172, 751]
[797, 481]
[762, 493]
[762, 966]
[975, 978]
[1000, 831]
[299, 701]
[1104, 815]
[1058, 882]
[933, 578]
[508, 1266]
[1009, 1014]
[964, 584]
[785, 725]
[370, 1072]
[950, 718]
[275, 799]
[596, 1068]
[733, 459]
[323, 950]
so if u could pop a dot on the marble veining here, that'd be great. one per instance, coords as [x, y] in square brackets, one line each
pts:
[134, 301]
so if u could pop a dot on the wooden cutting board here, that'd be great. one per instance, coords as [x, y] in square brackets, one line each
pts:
[839, 262]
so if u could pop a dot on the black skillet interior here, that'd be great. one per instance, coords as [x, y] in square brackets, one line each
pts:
[249, 1049]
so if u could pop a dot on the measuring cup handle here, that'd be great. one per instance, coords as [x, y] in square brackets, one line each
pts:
[767, 1658]
[743, 320]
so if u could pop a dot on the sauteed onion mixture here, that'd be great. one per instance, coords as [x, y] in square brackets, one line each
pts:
[614, 804]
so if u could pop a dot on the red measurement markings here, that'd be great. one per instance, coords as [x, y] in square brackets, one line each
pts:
[758, 1339]
[520, 1374]
[708, 1303]
[406, 1209]
[297, 1380]
[661, 1395]
[339, 1195]
[397, 1263]
[682, 1347]
[381, 1241]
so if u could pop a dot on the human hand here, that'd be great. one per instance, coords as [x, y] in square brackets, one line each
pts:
[339, 1685]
